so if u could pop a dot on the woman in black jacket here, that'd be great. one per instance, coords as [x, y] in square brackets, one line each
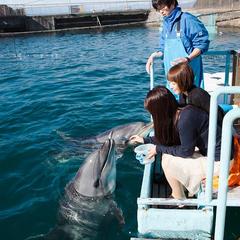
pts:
[178, 131]
[181, 81]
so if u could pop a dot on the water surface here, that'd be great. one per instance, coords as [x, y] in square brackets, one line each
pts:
[81, 85]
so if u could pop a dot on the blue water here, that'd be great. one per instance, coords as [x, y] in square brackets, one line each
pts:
[81, 85]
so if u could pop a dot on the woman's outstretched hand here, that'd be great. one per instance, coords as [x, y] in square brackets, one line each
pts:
[136, 139]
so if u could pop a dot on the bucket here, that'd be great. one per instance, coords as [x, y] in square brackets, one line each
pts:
[142, 153]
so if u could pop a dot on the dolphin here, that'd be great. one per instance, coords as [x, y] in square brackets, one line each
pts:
[120, 134]
[97, 176]
[88, 202]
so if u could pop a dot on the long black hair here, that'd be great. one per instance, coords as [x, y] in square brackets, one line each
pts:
[163, 107]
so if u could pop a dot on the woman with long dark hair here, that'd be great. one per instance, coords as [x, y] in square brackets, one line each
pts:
[178, 132]
[163, 107]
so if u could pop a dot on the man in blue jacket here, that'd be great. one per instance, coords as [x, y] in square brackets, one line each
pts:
[183, 39]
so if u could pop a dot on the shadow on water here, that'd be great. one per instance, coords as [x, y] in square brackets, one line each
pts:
[232, 226]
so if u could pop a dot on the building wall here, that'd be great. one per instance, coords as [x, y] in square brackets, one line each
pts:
[62, 7]
[218, 4]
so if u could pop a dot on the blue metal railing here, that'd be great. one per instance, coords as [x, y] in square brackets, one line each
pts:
[212, 135]
[146, 184]
[227, 54]
[152, 76]
[224, 167]
[226, 144]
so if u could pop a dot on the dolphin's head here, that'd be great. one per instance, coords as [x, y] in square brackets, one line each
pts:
[97, 176]
[121, 134]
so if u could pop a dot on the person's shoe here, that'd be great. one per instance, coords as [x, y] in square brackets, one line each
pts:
[174, 206]
[181, 206]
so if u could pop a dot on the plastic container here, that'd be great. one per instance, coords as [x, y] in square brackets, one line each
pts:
[142, 153]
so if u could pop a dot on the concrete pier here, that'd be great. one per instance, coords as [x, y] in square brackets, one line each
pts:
[63, 15]
[18, 19]
[212, 18]
[229, 19]
[17, 24]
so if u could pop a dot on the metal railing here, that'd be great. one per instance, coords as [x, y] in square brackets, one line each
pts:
[212, 136]
[227, 55]
[226, 143]
[224, 54]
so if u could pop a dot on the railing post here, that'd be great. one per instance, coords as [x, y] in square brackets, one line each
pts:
[152, 75]
[211, 144]
[212, 136]
[236, 75]
[227, 70]
[224, 171]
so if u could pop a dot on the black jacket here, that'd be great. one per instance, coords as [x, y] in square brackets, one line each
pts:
[200, 98]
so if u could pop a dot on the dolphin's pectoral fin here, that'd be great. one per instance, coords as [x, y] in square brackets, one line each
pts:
[119, 216]
[66, 137]
[117, 212]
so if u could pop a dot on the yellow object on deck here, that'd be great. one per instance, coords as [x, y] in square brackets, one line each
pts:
[234, 175]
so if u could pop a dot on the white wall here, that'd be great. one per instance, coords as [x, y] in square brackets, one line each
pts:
[61, 7]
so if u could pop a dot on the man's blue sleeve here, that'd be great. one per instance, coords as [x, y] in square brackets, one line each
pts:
[162, 41]
[196, 32]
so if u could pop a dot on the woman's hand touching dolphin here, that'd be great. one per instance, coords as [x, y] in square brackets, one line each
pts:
[136, 139]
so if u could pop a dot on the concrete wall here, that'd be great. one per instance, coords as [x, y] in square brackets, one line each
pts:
[217, 4]
[8, 11]
[12, 24]
[79, 21]
[42, 23]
